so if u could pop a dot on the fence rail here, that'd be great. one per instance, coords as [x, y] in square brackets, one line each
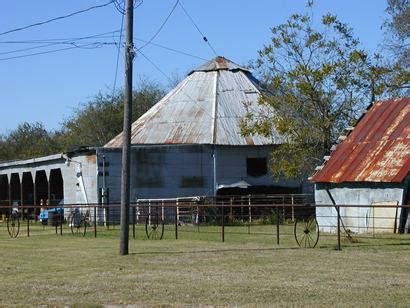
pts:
[288, 220]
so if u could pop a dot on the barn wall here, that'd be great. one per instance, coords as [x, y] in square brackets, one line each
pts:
[169, 171]
[355, 219]
[232, 167]
[81, 165]
[72, 179]
[172, 171]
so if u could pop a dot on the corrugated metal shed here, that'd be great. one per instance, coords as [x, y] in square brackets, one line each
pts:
[205, 108]
[377, 150]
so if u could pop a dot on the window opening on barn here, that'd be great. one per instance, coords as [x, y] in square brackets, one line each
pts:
[256, 166]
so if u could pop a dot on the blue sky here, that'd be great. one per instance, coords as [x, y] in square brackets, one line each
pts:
[46, 88]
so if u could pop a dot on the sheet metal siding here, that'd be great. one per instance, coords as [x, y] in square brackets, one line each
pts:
[234, 91]
[183, 116]
[231, 166]
[72, 191]
[377, 150]
[327, 216]
[184, 170]
[172, 171]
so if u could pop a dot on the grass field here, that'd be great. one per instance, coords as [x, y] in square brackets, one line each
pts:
[49, 269]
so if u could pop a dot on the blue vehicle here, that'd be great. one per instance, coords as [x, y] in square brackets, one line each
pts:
[44, 213]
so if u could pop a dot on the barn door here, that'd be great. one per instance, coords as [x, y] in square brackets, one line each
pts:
[383, 217]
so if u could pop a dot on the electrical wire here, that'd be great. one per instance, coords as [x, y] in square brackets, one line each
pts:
[118, 57]
[161, 27]
[85, 46]
[56, 18]
[173, 50]
[71, 41]
[118, 7]
[100, 35]
[53, 42]
[169, 79]
[196, 26]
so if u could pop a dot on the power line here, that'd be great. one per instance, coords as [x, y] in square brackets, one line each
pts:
[169, 79]
[118, 7]
[173, 50]
[56, 18]
[85, 46]
[100, 35]
[53, 42]
[200, 32]
[118, 56]
[71, 41]
[161, 27]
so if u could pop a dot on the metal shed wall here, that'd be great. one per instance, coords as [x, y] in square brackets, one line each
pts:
[355, 194]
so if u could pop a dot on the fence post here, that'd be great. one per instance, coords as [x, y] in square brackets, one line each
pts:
[176, 219]
[149, 212]
[223, 224]
[338, 227]
[95, 221]
[28, 226]
[134, 217]
[373, 220]
[277, 225]
[197, 219]
[107, 215]
[250, 214]
[283, 207]
[293, 209]
[138, 212]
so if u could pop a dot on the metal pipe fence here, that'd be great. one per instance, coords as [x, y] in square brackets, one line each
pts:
[283, 220]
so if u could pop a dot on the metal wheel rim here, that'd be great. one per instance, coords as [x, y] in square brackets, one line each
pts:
[78, 226]
[13, 225]
[306, 232]
[155, 230]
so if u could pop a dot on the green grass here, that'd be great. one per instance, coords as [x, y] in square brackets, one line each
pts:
[49, 269]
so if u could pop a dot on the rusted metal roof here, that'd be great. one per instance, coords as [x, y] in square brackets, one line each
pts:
[219, 63]
[205, 108]
[377, 150]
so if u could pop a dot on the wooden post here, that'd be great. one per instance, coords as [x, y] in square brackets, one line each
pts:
[95, 221]
[338, 227]
[250, 214]
[176, 219]
[223, 223]
[126, 141]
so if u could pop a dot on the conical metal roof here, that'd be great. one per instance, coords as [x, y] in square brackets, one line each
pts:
[205, 108]
[219, 63]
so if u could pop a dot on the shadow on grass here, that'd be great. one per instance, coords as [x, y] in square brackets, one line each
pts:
[215, 251]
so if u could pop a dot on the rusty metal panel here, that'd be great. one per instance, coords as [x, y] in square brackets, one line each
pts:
[218, 63]
[205, 108]
[377, 150]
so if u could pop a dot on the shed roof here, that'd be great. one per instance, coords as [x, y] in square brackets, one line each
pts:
[218, 63]
[377, 150]
[205, 108]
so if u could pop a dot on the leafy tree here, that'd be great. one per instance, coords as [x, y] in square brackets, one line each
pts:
[27, 140]
[93, 124]
[100, 120]
[316, 82]
[398, 30]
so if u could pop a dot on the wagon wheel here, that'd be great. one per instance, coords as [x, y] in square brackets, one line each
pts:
[306, 232]
[154, 226]
[13, 224]
[77, 224]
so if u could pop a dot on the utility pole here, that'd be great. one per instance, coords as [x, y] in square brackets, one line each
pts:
[126, 138]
